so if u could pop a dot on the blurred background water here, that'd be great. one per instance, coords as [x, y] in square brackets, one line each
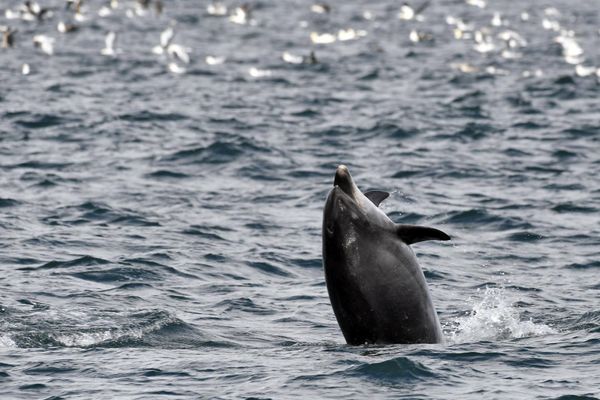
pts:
[160, 219]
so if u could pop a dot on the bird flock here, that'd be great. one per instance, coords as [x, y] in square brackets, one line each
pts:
[499, 36]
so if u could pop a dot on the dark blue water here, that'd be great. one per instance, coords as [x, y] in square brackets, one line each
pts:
[160, 231]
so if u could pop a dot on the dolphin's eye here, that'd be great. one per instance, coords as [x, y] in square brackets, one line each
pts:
[330, 227]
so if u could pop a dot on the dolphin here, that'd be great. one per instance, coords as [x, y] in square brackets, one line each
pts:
[377, 288]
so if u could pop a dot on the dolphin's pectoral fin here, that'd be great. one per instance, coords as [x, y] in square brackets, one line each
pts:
[413, 233]
[376, 196]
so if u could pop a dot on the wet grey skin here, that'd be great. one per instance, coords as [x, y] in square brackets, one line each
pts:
[377, 288]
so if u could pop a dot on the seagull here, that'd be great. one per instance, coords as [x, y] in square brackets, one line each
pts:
[79, 15]
[259, 73]
[45, 43]
[11, 14]
[175, 68]
[214, 60]
[497, 20]
[294, 59]
[165, 39]
[322, 38]
[583, 71]
[108, 8]
[483, 42]
[110, 43]
[178, 52]
[350, 34]
[320, 8]
[142, 7]
[216, 9]
[158, 7]
[407, 12]
[416, 36]
[291, 58]
[240, 15]
[174, 51]
[32, 11]
[572, 51]
[66, 28]
[477, 3]
[8, 37]
[104, 11]
[513, 39]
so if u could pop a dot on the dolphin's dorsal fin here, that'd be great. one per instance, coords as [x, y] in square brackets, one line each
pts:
[376, 196]
[413, 233]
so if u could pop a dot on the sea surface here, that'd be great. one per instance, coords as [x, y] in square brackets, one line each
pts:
[160, 221]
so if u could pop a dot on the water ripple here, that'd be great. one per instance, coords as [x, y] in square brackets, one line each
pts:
[396, 370]
[161, 224]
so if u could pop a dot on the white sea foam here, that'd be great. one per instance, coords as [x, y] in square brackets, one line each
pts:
[99, 336]
[88, 339]
[78, 330]
[494, 317]
[6, 342]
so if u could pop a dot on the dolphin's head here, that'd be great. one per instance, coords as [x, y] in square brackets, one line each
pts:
[347, 208]
[345, 205]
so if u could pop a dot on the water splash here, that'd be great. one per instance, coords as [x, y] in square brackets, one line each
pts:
[493, 317]
[7, 342]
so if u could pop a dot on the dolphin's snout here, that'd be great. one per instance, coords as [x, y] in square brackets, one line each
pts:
[342, 169]
[342, 175]
[343, 180]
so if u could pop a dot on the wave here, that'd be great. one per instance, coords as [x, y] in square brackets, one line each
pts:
[6, 202]
[396, 370]
[104, 271]
[154, 328]
[118, 274]
[144, 116]
[83, 261]
[589, 321]
[205, 232]
[269, 268]
[98, 212]
[483, 217]
[39, 121]
[163, 174]
[218, 152]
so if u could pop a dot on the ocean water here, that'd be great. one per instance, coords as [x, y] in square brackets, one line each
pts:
[160, 224]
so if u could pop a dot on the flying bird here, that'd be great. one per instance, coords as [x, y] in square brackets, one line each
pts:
[44, 43]
[8, 37]
[110, 45]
